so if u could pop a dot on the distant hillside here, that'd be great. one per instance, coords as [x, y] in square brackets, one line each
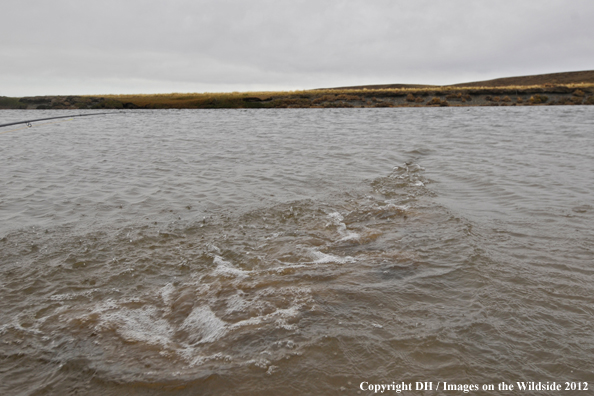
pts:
[538, 79]
[567, 89]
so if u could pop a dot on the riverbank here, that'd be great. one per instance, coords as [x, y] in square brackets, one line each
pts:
[570, 88]
[571, 94]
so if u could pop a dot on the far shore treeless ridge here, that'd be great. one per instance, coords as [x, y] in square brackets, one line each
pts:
[570, 88]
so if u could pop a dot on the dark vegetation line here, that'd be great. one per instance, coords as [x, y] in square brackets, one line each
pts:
[572, 88]
[580, 94]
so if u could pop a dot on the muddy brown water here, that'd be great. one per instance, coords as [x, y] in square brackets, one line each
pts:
[296, 251]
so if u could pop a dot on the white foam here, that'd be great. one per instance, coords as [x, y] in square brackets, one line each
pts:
[139, 325]
[275, 235]
[236, 303]
[280, 316]
[337, 220]
[350, 236]
[213, 248]
[62, 297]
[225, 268]
[336, 217]
[70, 296]
[203, 325]
[400, 208]
[167, 294]
[261, 363]
[323, 258]
[415, 168]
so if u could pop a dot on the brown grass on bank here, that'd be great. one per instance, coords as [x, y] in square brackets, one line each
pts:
[319, 97]
[317, 93]
[579, 93]
[570, 87]
[539, 99]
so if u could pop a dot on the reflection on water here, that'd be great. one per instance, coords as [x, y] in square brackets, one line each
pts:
[305, 251]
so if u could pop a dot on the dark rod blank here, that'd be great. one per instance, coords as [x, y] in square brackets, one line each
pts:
[49, 118]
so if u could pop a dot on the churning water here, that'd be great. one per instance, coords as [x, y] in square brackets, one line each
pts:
[296, 251]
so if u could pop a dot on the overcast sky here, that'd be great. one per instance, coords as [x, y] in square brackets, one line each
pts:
[155, 46]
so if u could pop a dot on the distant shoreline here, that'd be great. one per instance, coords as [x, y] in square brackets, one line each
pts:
[551, 79]
[572, 88]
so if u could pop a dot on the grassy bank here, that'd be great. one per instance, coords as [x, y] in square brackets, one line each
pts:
[410, 96]
[568, 88]
[363, 97]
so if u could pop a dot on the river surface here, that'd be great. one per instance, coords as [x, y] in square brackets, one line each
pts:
[296, 252]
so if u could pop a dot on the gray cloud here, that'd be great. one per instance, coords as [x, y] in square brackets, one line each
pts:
[75, 47]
